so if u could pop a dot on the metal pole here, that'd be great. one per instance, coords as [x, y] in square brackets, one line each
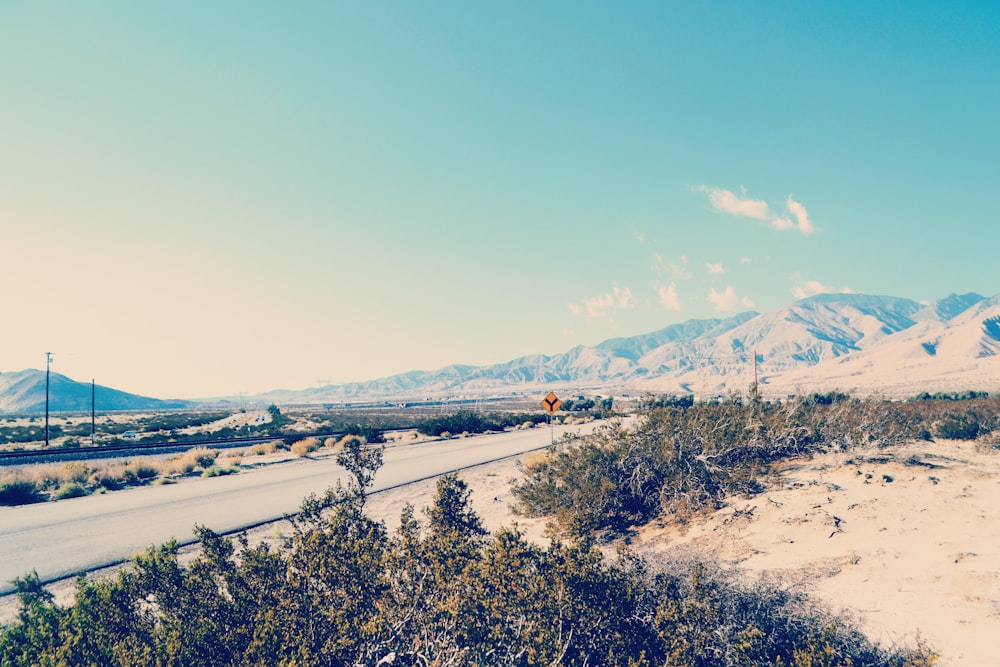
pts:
[48, 363]
[93, 412]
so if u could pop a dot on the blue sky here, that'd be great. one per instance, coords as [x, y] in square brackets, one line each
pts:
[200, 199]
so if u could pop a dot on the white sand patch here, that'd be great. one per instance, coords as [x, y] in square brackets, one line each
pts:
[910, 548]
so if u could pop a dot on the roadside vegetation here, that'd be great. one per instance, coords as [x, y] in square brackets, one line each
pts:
[42, 482]
[342, 589]
[683, 457]
[58, 481]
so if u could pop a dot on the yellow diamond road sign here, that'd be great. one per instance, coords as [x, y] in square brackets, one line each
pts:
[551, 403]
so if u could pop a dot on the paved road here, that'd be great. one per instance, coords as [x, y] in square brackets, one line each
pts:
[59, 539]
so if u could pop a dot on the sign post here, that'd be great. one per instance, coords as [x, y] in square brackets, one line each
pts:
[551, 403]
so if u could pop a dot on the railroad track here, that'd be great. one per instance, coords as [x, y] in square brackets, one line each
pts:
[53, 454]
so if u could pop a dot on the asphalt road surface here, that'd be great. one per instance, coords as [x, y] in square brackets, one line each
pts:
[60, 539]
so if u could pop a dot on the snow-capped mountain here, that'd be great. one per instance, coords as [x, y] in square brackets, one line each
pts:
[828, 341]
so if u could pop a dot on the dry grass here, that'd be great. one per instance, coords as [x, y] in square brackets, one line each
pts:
[265, 448]
[535, 461]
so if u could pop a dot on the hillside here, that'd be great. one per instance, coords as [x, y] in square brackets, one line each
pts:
[23, 392]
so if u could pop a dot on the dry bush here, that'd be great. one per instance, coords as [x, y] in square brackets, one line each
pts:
[262, 449]
[189, 461]
[74, 472]
[140, 471]
[349, 440]
[109, 477]
[203, 456]
[330, 443]
[305, 446]
[114, 476]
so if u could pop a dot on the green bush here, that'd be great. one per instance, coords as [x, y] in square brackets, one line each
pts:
[73, 490]
[19, 492]
[342, 591]
[218, 471]
[957, 427]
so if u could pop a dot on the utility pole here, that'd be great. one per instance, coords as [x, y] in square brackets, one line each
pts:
[93, 412]
[48, 364]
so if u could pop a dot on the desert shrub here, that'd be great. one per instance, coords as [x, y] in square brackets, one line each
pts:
[70, 491]
[305, 446]
[110, 478]
[203, 456]
[682, 458]
[370, 434]
[15, 491]
[348, 441]
[76, 472]
[262, 448]
[218, 471]
[956, 427]
[341, 590]
[466, 421]
[136, 473]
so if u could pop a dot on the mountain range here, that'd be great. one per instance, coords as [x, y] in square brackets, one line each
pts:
[856, 343]
[852, 342]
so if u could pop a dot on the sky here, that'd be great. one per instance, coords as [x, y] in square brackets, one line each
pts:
[201, 199]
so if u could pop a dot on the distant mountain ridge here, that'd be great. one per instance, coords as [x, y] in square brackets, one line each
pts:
[23, 392]
[801, 345]
[850, 342]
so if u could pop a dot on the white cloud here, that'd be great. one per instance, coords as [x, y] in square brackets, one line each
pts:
[727, 301]
[744, 260]
[715, 268]
[669, 298]
[810, 287]
[724, 302]
[603, 305]
[799, 211]
[725, 201]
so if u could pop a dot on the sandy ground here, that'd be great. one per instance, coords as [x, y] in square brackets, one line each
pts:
[906, 539]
